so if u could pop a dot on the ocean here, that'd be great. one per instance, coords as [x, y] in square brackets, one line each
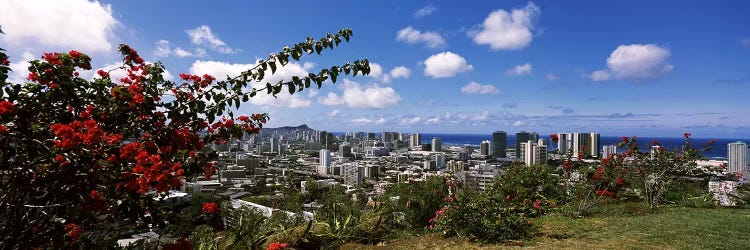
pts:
[718, 150]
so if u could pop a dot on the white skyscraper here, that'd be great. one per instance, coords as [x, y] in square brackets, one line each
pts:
[415, 139]
[325, 159]
[738, 157]
[533, 153]
[484, 148]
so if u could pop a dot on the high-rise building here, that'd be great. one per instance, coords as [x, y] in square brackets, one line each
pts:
[499, 142]
[415, 139]
[484, 148]
[524, 136]
[437, 145]
[533, 153]
[345, 150]
[587, 144]
[609, 150]
[325, 158]
[274, 145]
[564, 143]
[737, 155]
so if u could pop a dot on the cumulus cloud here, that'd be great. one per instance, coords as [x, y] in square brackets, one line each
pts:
[425, 11]
[400, 72]
[334, 113]
[20, 69]
[76, 24]
[163, 49]
[411, 120]
[476, 88]
[411, 35]
[446, 64]
[518, 124]
[432, 121]
[503, 30]
[356, 96]
[202, 35]
[519, 70]
[637, 62]
[376, 72]
[551, 77]
[221, 70]
[363, 120]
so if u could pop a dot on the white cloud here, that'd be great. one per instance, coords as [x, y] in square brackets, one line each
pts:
[163, 49]
[600, 75]
[308, 66]
[376, 72]
[518, 124]
[76, 24]
[519, 70]
[637, 62]
[221, 70]
[411, 35]
[406, 121]
[20, 69]
[355, 96]
[425, 11]
[400, 72]
[334, 113]
[446, 64]
[363, 120]
[551, 77]
[476, 88]
[202, 35]
[432, 121]
[331, 99]
[503, 30]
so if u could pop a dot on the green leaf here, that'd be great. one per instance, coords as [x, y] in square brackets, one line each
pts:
[269, 88]
[318, 47]
[245, 98]
[292, 88]
[273, 66]
[254, 92]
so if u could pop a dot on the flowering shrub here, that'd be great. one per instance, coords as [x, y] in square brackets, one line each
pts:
[276, 246]
[210, 208]
[78, 153]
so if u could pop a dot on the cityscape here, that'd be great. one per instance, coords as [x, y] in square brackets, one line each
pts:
[374, 125]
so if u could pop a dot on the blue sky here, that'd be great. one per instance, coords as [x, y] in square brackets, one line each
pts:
[649, 68]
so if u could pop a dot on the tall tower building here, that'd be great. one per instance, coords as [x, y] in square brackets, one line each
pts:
[737, 155]
[484, 148]
[499, 143]
[533, 153]
[437, 144]
[565, 143]
[524, 136]
[415, 139]
[325, 162]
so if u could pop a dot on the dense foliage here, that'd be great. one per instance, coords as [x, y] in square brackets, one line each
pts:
[81, 159]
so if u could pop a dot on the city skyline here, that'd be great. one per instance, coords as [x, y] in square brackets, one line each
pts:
[630, 68]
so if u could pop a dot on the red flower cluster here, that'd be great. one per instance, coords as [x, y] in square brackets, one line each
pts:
[52, 58]
[6, 107]
[687, 135]
[655, 142]
[605, 193]
[102, 73]
[276, 246]
[554, 138]
[150, 171]
[210, 208]
[86, 132]
[599, 173]
[74, 231]
[199, 81]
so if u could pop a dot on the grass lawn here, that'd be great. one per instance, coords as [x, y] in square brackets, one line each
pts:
[669, 228]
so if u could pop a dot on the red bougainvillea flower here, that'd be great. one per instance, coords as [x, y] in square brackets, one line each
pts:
[3, 129]
[210, 208]
[276, 246]
[655, 142]
[6, 107]
[507, 197]
[554, 138]
[75, 54]
[687, 135]
[620, 181]
[102, 73]
[625, 139]
[537, 203]
[448, 199]
[74, 231]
